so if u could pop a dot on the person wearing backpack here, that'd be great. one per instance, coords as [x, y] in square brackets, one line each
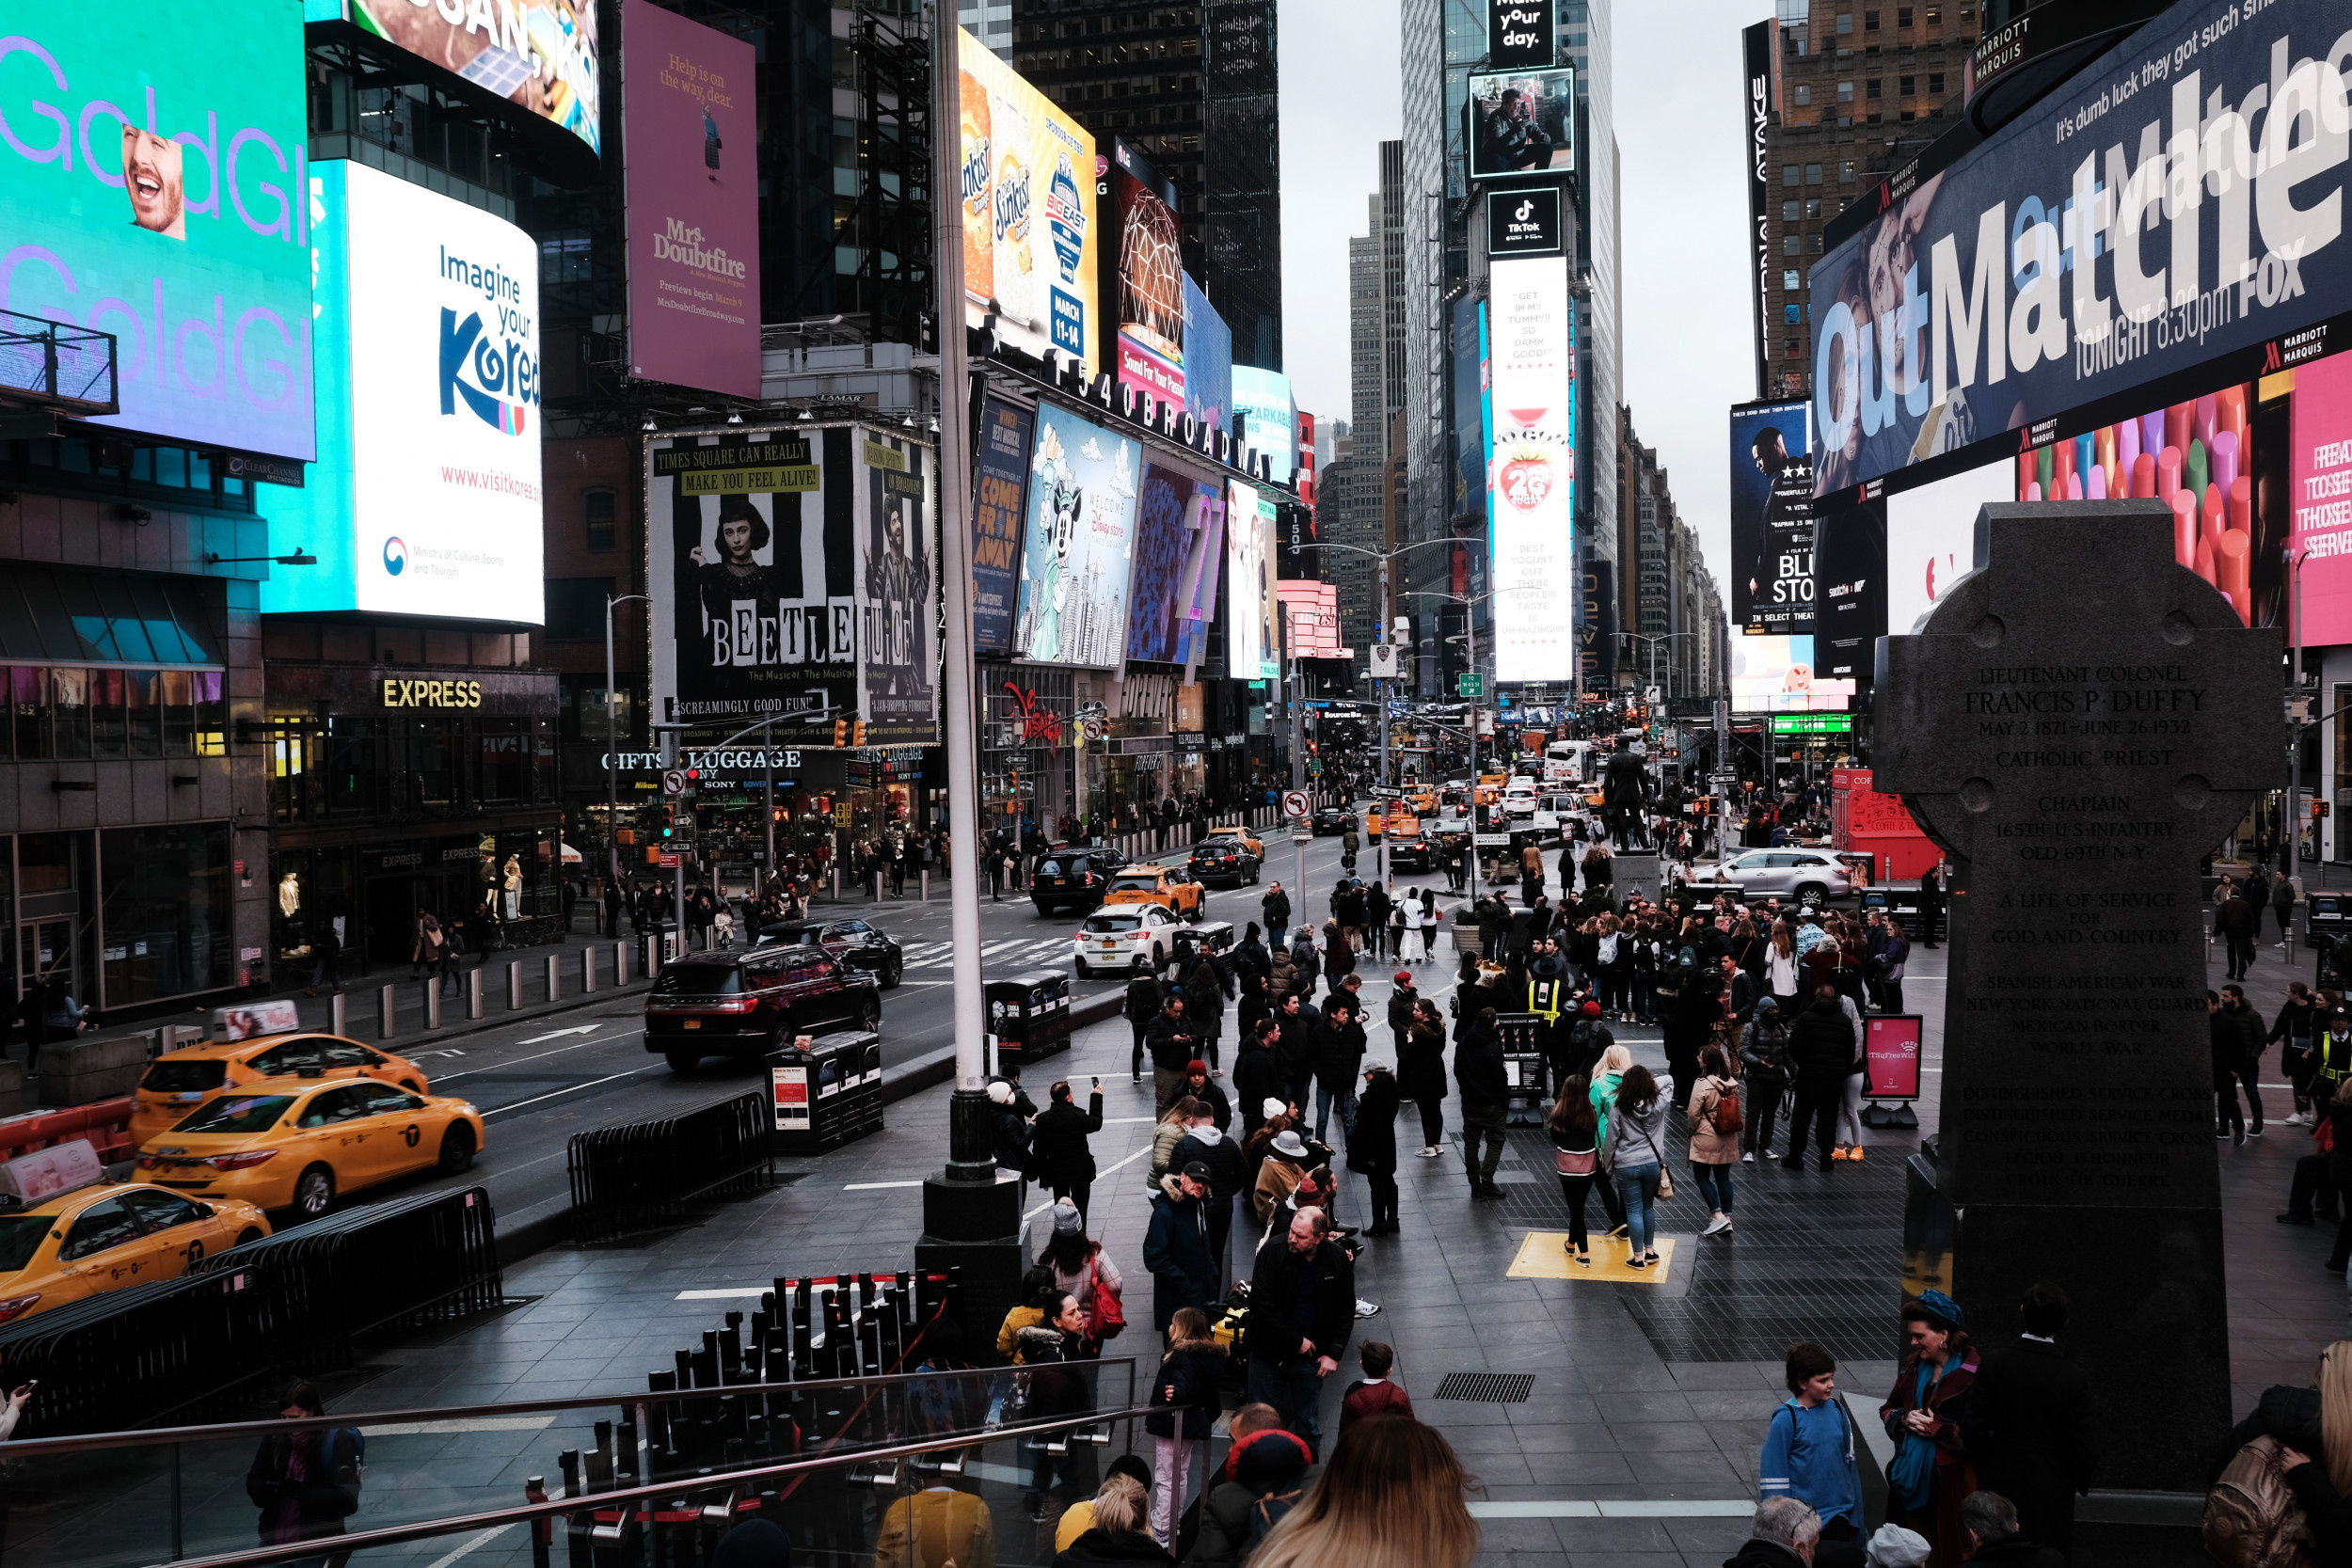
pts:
[1764, 1063]
[1713, 1117]
[1809, 1448]
[1184, 1406]
[1268, 1465]
[306, 1484]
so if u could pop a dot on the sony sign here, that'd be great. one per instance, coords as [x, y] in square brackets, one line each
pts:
[1520, 35]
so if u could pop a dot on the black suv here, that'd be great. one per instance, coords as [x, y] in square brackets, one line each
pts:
[1331, 819]
[853, 941]
[1222, 860]
[1075, 878]
[750, 1004]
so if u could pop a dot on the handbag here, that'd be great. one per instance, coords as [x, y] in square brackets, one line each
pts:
[1665, 1176]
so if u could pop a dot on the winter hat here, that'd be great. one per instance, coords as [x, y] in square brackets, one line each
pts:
[1592, 1010]
[1001, 1092]
[1195, 1065]
[1269, 1109]
[1287, 1142]
[1943, 1308]
[1894, 1546]
[1067, 1218]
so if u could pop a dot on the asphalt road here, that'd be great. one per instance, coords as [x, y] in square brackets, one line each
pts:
[539, 1082]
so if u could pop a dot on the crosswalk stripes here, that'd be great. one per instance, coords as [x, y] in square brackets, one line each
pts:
[940, 954]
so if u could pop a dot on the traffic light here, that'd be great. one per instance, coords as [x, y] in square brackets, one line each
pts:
[840, 734]
[858, 734]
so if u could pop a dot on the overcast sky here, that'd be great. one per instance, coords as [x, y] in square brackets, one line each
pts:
[1679, 135]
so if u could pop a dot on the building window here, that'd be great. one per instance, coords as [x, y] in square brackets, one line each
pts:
[1874, 87]
[1812, 174]
[1791, 174]
[1908, 86]
[1813, 207]
[1805, 95]
[1935, 16]
[1845, 92]
[1816, 245]
[167, 913]
[1935, 84]
[1789, 282]
[575, 609]
[1791, 348]
[1791, 314]
[1845, 174]
[597, 511]
[1869, 22]
[1902, 16]
[1788, 244]
[1788, 211]
[1845, 23]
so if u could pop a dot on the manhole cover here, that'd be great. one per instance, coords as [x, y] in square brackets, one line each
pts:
[1486, 1388]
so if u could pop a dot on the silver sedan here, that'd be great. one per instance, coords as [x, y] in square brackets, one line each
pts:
[1809, 876]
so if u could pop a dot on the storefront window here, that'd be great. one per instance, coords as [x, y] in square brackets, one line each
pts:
[433, 760]
[142, 704]
[544, 787]
[500, 743]
[176, 694]
[166, 928]
[107, 736]
[354, 750]
[289, 773]
[212, 714]
[28, 710]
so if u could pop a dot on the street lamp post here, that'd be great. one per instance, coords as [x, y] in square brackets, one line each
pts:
[1470, 656]
[612, 741]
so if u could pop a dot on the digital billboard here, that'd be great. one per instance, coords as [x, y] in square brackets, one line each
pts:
[539, 55]
[2067, 272]
[1000, 482]
[425, 497]
[1080, 545]
[1180, 547]
[1931, 540]
[1530, 479]
[155, 169]
[1030, 231]
[1759, 47]
[2319, 493]
[1520, 33]
[1145, 276]
[1772, 519]
[1208, 361]
[692, 178]
[791, 577]
[1774, 674]
[1269, 418]
[1522, 123]
[1849, 590]
[1252, 649]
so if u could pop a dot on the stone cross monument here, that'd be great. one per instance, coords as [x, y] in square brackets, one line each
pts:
[2077, 724]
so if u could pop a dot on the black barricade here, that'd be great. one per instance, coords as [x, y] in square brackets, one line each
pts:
[635, 1175]
[294, 1304]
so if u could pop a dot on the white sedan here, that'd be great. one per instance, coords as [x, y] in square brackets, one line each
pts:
[1132, 936]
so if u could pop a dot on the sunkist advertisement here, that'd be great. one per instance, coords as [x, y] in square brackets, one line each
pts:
[1029, 230]
[425, 499]
[151, 181]
[693, 179]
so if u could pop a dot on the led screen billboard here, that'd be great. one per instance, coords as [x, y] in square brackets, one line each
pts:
[538, 54]
[1080, 542]
[153, 170]
[1269, 418]
[1180, 547]
[1931, 540]
[1252, 650]
[1772, 519]
[1029, 230]
[425, 499]
[1208, 361]
[1000, 482]
[1521, 123]
[1849, 590]
[1144, 274]
[1774, 674]
[1531, 479]
[692, 177]
[2319, 493]
[2130, 239]
[792, 576]
[1519, 34]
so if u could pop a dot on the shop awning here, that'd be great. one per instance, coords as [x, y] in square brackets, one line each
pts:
[62, 616]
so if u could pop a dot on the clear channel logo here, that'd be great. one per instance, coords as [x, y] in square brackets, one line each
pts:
[395, 555]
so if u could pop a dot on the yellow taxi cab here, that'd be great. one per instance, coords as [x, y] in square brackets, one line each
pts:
[180, 1082]
[295, 1143]
[67, 1234]
[1157, 884]
[1235, 830]
[1422, 800]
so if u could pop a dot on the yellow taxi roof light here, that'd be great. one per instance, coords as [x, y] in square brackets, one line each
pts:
[44, 1174]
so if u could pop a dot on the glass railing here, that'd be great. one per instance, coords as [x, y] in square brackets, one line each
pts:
[843, 1466]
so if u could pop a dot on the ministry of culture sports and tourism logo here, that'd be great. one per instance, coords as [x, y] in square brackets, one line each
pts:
[491, 366]
[395, 555]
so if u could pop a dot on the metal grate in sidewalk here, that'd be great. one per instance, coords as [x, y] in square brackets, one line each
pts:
[1486, 1388]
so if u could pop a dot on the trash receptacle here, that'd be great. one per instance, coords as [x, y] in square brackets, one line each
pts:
[1028, 1017]
[1217, 936]
[826, 1092]
[2326, 924]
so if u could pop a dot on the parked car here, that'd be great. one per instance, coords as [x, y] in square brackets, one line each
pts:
[1223, 861]
[1328, 820]
[1077, 878]
[745, 1004]
[1137, 937]
[853, 941]
[1809, 876]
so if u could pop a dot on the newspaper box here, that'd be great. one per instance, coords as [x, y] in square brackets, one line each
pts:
[1028, 1016]
[826, 1092]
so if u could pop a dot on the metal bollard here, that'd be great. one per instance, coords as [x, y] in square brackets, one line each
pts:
[587, 971]
[514, 985]
[385, 1009]
[432, 1002]
[620, 963]
[653, 952]
[339, 1015]
[836, 884]
[926, 884]
[473, 992]
[555, 978]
